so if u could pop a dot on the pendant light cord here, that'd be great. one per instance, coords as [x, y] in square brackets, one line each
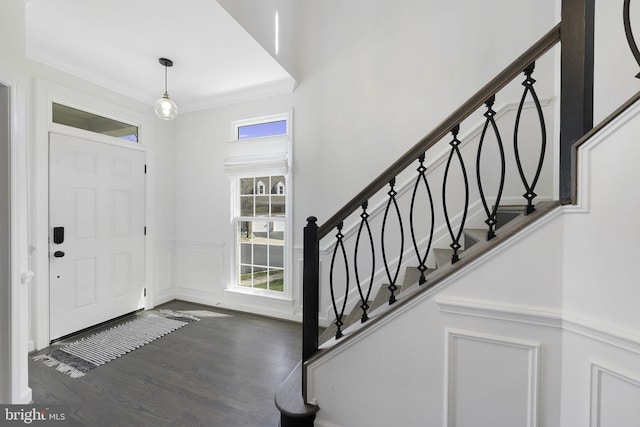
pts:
[165, 80]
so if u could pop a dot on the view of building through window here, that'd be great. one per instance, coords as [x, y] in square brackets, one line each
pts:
[261, 232]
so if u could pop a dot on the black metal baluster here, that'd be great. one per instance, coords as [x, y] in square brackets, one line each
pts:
[364, 223]
[422, 259]
[392, 280]
[339, 314]
[491, 213]
[530, 188]
[455, 237]
[629, 33]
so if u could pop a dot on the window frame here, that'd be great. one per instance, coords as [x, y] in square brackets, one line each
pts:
[257, 171]
[237, 124]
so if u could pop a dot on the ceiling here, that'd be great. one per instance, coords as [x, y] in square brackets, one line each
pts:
[117, 43]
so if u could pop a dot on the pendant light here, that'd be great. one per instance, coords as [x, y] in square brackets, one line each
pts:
[165, 108]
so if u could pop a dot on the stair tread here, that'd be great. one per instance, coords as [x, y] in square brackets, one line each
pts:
[476, 233]
[507, 213]
[382, 297]
[354, 316]
[412, 278]
[443, 256]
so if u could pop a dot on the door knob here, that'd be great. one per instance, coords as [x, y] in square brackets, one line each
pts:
[58, 254]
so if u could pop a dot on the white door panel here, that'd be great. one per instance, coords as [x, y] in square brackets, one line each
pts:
[97, 193]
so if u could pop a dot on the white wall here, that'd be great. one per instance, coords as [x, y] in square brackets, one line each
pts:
[601, 364]
[615, 67]
[259, 20]
[376, 76]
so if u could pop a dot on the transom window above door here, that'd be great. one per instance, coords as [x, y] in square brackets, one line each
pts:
[69, 116]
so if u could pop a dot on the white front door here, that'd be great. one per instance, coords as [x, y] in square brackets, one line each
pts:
[96, 241]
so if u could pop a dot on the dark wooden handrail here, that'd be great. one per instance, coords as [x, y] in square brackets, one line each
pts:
[465, 110]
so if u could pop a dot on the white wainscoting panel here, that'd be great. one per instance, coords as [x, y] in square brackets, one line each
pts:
[200, 267]
[165, 269]
[615, 397]
[490, 380]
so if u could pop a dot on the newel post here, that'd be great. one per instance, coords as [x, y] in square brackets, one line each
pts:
[576, 97]
[310, 289]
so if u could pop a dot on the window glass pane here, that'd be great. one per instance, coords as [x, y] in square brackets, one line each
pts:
[258, 130]
[246, 205]
[244, 231]
[276, 256]
[245, 276]
[260, 255]
[277, 206]
[278, 185]
[245, 253]
[262, 205]
[259, 230]
[246, 186]
[276, 280]
[87, 121]
[276, 233]
[260, 277]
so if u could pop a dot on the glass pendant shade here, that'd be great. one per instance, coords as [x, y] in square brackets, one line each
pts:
[165, 108]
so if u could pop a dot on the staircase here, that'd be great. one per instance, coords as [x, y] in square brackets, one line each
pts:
[467, 242]
[511, 219]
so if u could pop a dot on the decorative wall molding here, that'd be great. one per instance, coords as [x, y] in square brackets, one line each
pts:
[598, 371]
[532, 367]
[589, 327]
[200, 266]
[533, 315]
[605, 332]
[164, 280]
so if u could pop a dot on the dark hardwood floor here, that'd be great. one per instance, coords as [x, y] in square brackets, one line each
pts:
[218, 372]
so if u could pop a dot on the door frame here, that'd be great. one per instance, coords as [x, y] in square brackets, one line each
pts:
[46, 94]
[16, 390]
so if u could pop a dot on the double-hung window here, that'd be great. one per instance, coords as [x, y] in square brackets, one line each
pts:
[258, 163]
[261, 228]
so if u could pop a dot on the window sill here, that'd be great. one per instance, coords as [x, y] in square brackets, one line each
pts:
[259, 293]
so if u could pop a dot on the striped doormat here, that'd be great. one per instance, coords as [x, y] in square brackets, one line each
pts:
[78, 358]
